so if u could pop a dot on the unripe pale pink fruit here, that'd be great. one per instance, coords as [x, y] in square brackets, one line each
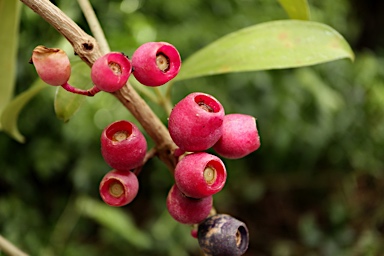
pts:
[52, 65]
[110, 72]
[155, 63]
[187, 210]
[195, 122]
[123, 146]
[200, 174]
[240, 136]
[118, 188]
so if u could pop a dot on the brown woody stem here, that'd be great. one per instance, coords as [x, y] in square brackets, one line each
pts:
[86, 47]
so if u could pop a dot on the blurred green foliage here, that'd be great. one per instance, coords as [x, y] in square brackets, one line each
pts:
[313, 188]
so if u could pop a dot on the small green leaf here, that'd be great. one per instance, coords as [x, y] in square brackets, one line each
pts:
[271, 45]
[296, 9]
[11, 112]
[9, 28]
[114, 219]
[67, 103]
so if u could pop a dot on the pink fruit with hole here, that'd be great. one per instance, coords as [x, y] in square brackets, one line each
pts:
[110, 72]
[118, 188]
[123, 146]
[52, 65]
[240, 136]
[187, 210]
[155, 63]
[195, 123]
[201, 174]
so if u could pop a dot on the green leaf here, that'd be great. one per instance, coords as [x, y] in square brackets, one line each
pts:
[9, 28]
[296, 9]
[67, 103]
[271, 45]
[11, 112]
[114, 219]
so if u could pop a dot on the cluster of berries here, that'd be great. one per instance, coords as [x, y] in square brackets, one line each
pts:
[196, 123]
[153, 63]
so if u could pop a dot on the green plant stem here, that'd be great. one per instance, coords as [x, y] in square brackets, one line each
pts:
[150, 154]
[65, 225]
[168, 98]
[144, 91]
[9, 248]
[163, 101]
[94, 25]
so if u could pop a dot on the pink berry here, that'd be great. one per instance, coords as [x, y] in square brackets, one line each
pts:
[200, 174]
[194, 233]
[187, 210]
[111, 72]
[155, 63]
[118, 188]
[195, 123]
[240, 136]
[52, 65]
[123, 146]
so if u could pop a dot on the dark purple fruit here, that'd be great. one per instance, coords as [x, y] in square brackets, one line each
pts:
[223, 235]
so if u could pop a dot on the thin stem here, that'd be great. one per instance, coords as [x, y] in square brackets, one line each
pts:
[9, 248]
[94, 25]
[150, 154]
[91, 92]
[167, 97]
[144, 91]
[65, 225]
[163, 101]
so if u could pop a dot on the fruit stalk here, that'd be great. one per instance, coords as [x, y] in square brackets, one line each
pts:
[86, 47]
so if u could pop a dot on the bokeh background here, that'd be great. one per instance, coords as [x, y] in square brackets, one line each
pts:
[315, 187]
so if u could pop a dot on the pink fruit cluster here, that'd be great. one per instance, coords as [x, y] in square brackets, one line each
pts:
[123, 148]
[153, 64]
[198, 122]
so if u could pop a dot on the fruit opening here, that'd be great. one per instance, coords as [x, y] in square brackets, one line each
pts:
[215, 174]
[205, 107]
[210, 175]
[120, 136]
[207, 103]
[116, 189]
[119, 131]
[162, 62]
[242, 238]
[115, 67]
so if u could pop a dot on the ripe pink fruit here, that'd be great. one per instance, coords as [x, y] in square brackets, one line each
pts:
[118, 188]
[187, 210]
[123, 146]
[52, 65]
[200, 174]
[110, 72]
[240, 136]
[155, 63]
[195, 123]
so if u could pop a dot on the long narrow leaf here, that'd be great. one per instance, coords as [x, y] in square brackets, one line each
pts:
[271, 45]
[114, 219]
[11, 112]
[9, 26]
